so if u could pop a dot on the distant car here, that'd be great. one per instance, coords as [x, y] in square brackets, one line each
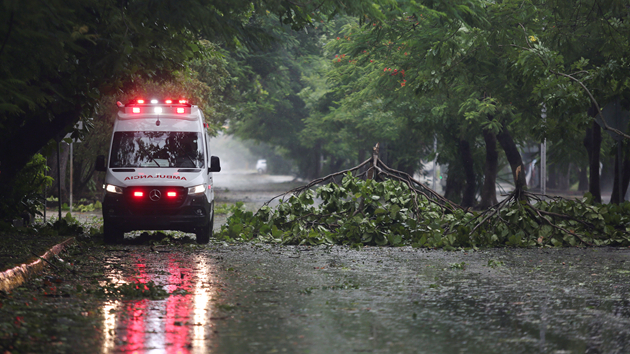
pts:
[261, 166]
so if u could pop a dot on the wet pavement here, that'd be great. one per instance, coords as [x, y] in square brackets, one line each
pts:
[267, 299]
[274, 299]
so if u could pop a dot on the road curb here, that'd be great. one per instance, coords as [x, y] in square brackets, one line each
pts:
[18, 275]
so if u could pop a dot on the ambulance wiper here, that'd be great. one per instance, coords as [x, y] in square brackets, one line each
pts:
[154, 161]
[191, 160]
[142, 150]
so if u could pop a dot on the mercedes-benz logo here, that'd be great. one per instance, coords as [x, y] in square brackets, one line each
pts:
[155, 195]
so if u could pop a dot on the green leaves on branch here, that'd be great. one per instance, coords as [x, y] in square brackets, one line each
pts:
[358, 213]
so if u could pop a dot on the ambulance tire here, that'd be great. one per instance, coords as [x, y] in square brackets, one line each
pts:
[204, 233]
[112, 235]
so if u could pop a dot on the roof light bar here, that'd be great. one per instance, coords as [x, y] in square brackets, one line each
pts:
[159, 106]
[158, 101]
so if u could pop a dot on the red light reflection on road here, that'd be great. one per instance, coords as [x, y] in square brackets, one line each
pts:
[134, 325]
[175, 325]
[178, 309]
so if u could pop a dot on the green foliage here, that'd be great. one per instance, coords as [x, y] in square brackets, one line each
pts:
[493, 263]
[26, 195]
[224, 208]
[66, 226]
[460, 266]
[358, 212]
[135, 290]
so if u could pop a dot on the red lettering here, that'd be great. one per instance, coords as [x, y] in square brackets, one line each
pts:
[156, 176]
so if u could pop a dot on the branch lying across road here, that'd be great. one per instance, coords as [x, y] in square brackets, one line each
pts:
[354, 210]
[374, 168]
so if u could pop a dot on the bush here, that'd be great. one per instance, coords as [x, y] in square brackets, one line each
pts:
[24, 197]
[358, 213]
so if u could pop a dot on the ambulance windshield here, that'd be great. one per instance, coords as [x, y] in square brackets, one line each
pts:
[157, 149]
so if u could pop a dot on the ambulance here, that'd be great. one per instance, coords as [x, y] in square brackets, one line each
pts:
[159, 172]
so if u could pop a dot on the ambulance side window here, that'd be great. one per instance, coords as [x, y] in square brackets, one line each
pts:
[208, 148]
[206, 138]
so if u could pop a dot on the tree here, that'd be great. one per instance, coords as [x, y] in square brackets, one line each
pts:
[60, 57]
[576, 54]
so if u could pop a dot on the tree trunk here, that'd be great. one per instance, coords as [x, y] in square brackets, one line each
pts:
[626, 172]
[583, 174]
[454, 185]
[593, 144]
[489, 189]
[63, 164]
[514, 158]
[563, 178]
[383, 153]
[468, 199]
[625, 178]
[85, 170]
[552, 182]
[362, 155]
[335, 164]
[317, 161]
[614, 194]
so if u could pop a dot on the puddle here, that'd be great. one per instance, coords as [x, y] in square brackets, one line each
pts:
[178, 324]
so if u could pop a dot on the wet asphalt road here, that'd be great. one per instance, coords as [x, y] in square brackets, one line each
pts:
[268, 299]
[276, 299]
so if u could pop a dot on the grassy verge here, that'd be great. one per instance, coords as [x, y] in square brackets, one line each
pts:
[16, 249]
[20, 245]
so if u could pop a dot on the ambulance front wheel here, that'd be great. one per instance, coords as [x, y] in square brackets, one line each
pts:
[112, 235]
[204, 233]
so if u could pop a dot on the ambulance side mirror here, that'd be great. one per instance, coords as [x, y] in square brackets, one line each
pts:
[100, 163]
[215, 164]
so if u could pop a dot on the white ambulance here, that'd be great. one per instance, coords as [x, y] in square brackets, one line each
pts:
[159, 171]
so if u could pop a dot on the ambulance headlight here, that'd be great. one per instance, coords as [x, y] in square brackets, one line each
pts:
[197, 189]
[113, 189]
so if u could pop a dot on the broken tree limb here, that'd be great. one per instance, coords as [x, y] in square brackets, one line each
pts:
[376, 169]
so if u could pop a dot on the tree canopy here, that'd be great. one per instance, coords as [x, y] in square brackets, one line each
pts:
[59, 58]
[322, 82]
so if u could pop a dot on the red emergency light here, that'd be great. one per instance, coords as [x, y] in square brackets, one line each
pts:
[138, 194]
[166, 106]
[171, 194]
